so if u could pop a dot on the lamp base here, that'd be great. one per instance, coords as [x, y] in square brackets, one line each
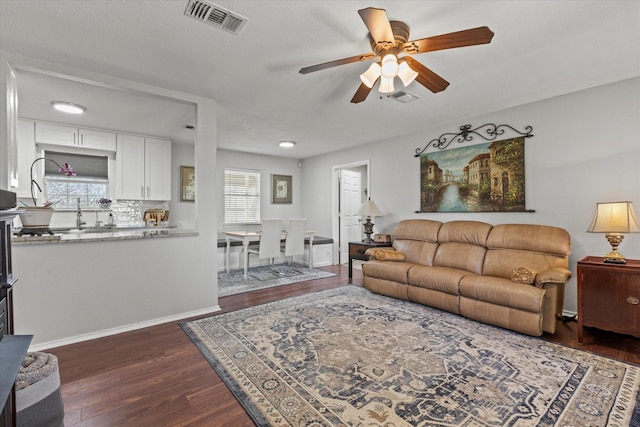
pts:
[614, 257]
[368, 230]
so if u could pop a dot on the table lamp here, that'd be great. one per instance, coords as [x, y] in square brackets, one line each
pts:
[369, 209]
[614, 218]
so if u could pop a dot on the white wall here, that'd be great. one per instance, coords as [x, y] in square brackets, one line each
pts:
[585, 150]
[267, 165]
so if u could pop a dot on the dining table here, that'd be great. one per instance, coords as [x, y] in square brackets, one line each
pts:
[247, 237]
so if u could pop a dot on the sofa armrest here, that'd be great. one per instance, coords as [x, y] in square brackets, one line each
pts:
[553, 275]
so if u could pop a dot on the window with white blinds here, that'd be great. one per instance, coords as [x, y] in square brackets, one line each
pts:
[241, 196]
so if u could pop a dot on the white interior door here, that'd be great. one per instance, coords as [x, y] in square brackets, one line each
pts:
[350, 201]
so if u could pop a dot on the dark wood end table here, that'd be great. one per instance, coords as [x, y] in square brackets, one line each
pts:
[609, 296]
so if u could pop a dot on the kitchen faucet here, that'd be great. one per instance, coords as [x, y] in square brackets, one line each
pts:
[98, 222]
[79, 221]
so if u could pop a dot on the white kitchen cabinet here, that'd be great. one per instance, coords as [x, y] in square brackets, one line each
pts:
[97, 139]
[143, 168]
[69, 136]
[157, 168]
[26, 155]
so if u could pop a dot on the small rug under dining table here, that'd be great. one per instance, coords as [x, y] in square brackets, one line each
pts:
[266, 276]
[348, 357]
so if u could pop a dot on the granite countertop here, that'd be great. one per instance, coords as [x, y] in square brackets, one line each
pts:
[102, 236]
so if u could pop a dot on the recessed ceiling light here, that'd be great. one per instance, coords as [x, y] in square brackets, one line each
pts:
[68, 107]
[286, 144]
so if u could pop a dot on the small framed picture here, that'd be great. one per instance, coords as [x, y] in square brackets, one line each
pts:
[281, 189]
[187, 184]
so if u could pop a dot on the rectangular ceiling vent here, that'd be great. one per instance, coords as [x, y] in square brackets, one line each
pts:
[404, 97]
[215, 15]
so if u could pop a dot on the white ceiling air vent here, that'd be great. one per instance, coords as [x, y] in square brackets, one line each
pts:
[404, 97]
[215, 15]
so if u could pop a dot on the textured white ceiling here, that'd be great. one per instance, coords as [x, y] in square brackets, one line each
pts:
[541, 49]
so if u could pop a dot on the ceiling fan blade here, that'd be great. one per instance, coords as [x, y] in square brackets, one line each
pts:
[337, 62]
[362, 93]
[426, 77]
[470, 37]
[379, 26]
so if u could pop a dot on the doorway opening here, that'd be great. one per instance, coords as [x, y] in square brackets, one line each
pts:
[351, 188]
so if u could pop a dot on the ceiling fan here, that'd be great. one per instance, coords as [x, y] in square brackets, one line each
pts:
[389, 39]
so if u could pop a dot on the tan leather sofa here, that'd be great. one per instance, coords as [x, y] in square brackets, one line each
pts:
[508, 275]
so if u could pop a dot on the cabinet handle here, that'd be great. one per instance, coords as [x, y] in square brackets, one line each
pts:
[633, 300]
[82, 140]
[148, 191]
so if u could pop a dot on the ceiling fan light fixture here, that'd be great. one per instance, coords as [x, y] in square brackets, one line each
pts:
[389, 67]
[68, 107]
[386, 85]
[406, 74]
[370, 76]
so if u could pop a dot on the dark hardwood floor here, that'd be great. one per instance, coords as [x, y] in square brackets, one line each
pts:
[156, 376]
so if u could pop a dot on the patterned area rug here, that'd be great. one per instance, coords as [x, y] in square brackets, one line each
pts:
[261, 277]
[348, 357]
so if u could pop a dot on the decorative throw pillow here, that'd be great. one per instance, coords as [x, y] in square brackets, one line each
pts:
[523, 275]
[388, 255]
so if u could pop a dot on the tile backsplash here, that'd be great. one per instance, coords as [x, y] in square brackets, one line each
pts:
[128, 213]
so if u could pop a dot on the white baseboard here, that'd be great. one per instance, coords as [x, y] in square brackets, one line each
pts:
[121, 329]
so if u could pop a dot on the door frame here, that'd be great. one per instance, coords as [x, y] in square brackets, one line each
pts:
[335, 196]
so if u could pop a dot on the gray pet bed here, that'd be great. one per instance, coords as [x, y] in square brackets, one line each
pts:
[38, 398]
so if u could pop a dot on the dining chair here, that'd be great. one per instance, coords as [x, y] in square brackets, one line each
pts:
[269, 244]
[294, 243]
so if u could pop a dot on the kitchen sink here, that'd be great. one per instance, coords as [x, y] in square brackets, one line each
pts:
[100, 229]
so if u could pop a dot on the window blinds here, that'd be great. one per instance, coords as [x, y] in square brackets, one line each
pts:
[241, 196]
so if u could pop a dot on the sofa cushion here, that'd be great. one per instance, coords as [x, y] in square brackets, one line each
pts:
[462, 245]
[532, 238]
[472, 232]
[441, 279]
[417, 239]
[503, 292]
[461, 256]
[416, 251]
[394, 271]
[417, 229]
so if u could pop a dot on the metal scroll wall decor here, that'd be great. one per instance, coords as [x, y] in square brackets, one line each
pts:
[485, 177]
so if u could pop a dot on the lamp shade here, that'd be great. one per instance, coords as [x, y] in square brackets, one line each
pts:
[386, 85]
[369, 208]
[614, 217]
[406, 74]
[370, 76]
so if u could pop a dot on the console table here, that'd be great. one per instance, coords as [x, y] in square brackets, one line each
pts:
[609, 296]
[357, 251]
[12, 347]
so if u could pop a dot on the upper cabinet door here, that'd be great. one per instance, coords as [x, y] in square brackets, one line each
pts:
[157, 163]
[50, 133]
[130, 167]
[69, 136]
[97, 139]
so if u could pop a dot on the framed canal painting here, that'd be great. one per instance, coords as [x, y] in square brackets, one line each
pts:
[486, 177]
